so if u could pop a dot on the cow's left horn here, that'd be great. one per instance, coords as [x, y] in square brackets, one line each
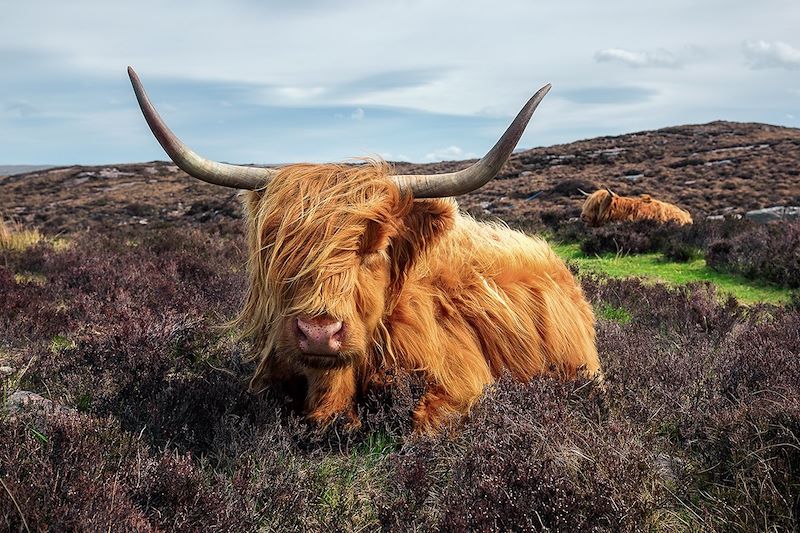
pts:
[477, 175]
[235, 176]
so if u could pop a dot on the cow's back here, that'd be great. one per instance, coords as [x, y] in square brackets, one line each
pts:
[521, 302]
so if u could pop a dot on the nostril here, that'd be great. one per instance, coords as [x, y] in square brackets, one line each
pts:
[298, 330]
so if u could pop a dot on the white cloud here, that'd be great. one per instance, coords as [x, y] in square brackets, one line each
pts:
[358, 114]
[659, 58]
[449, 153]
[765, 54]
[389, 156]
[300, 93]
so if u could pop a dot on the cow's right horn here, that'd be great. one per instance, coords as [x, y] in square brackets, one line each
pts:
[235, 176]
[478, 174]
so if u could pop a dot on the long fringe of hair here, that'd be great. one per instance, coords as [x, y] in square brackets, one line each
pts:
[304, 231]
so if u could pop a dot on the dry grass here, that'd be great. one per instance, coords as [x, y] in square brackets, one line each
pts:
[15, 237]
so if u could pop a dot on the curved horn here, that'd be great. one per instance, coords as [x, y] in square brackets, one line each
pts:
[612, 193]
[235, 176]
[477, 175]
[583, 192]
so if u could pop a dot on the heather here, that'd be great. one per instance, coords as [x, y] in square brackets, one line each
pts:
[770, 252]
[695, 428]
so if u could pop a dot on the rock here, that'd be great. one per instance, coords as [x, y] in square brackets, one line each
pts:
[121, 186]
[6, 371]
[769, 214]
[22, 400]
[727, 216]
[609, 152]
[103, 173]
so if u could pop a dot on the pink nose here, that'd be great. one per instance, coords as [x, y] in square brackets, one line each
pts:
[321, 335]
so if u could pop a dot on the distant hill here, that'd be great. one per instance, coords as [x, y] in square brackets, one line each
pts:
[709, 168]
[10, 170]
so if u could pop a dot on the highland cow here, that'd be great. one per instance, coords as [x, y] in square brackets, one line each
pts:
[605, 206]
[354, 270]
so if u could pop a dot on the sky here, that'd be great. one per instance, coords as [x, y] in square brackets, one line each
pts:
[250, 81]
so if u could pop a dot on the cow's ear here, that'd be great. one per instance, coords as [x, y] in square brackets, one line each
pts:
[421, 227]
[377, 236]
[606, 203]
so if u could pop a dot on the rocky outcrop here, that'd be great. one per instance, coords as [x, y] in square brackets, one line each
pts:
[770, 214]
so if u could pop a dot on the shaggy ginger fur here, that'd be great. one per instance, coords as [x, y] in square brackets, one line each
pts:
[604, 206]
[419, 287]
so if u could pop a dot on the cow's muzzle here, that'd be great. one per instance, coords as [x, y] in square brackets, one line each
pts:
[320, 335]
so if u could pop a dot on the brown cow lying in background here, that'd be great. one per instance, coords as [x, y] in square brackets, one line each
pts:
[605, 206]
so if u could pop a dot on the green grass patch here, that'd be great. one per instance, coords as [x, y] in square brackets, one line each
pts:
[655, 266]
[61, 343]
[616, 314]
[349, 479]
